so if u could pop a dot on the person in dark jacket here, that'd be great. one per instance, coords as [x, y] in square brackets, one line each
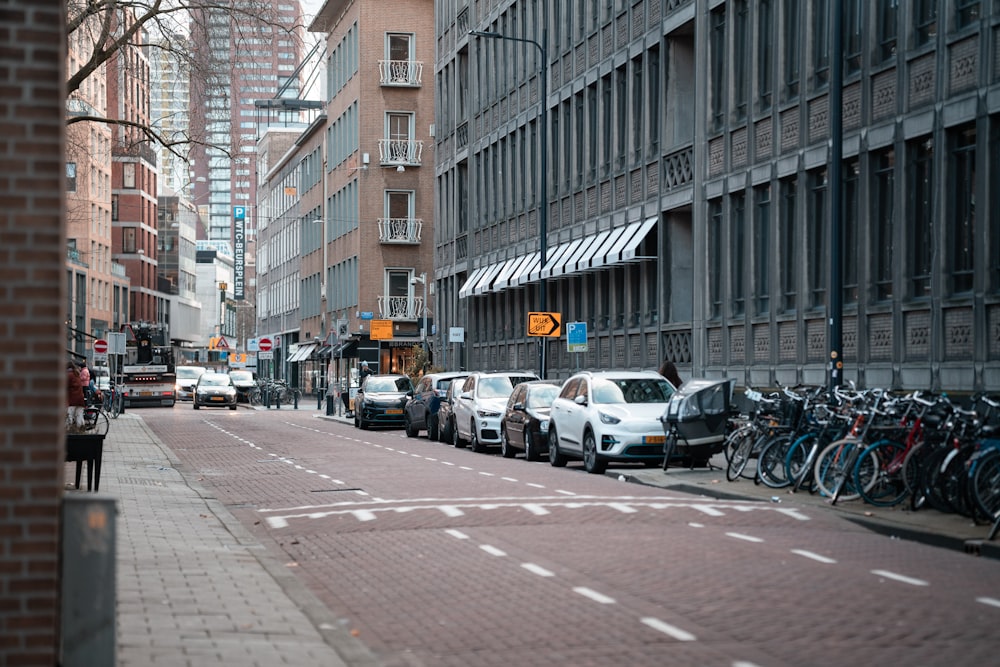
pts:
[669, 371]
[75, 401]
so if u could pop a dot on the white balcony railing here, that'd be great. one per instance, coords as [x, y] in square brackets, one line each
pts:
[399, 307]
[405, 152]
[400, 72]
[399, 230]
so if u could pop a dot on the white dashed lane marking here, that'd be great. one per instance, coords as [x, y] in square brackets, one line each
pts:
[899, 577]
[668, 629]
[537, 569]
[748, 538]
[593, 595]
[814, 556]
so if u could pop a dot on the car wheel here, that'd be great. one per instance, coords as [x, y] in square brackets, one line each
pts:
[444, 432]
[592, 462]
[196, 406]
[232, 407]
[530, 453]
[408, 425]
[505, 449]
[432, 427]
[474, 440]
[357, 422]
[556, 458]
[362, 424]
[456, 437]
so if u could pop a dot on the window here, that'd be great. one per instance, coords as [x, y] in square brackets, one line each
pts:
[621, 114]
[399, 204]
[883, 205]
[653, 99]
[966, 13]
[128, 239]
[715, 258]
[885, 20]
[398, 47]
[820, 44]
[717, 46]
[792, 43]
[606, 118]
[71, 177]
[638, 101]
[741, 60]
[765, 46]
[789, 256]
[962, 193]
[924, 21]
[128, 175]
[737, 253]
[852, 40]
[761, 248]
[114, 208]
[818, 245]
[921, 237]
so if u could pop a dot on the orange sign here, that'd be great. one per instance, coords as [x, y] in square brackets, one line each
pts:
[381, 330]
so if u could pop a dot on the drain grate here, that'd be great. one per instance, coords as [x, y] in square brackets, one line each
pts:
[140, 481]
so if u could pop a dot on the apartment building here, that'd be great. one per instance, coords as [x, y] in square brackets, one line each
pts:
[706, 128]
[374, 176]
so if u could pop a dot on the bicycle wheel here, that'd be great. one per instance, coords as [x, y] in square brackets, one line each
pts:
[833, 469]
[771, 462]
[882, 462]
[117, 401]
[95, 421]
[740, 456]
[985, 485]
[799, 460]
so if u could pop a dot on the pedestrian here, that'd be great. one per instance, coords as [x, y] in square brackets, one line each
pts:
[364, 372]
[75, 401]
[669, 371]
[87, 380]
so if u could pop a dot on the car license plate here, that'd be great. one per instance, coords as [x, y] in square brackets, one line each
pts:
[393, 412]
[146, 393]
[218, 398]
[653, 440]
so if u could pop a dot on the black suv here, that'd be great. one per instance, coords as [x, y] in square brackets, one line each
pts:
[380, 400]
[422, 409]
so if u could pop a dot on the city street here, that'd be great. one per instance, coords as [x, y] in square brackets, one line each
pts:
[432, 555]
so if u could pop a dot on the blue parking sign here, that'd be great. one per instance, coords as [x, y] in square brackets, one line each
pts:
[576, 337]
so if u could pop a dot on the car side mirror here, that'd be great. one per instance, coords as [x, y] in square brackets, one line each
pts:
[467, 395]
[519, 407]
[580, 400]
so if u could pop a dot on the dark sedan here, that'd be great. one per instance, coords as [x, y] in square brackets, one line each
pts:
[525, 423]
[380, 400]
[422, 409]
[444, 420]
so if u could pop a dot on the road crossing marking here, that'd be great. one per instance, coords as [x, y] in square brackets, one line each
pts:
[814, 556]
[899, 577]
[449, 510]
[457, 534]
[667, 629]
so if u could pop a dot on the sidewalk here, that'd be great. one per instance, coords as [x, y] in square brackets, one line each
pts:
[194, 587]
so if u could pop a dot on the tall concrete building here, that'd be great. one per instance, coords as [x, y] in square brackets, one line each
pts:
[169, 95]
[243, 53]
[690, 186]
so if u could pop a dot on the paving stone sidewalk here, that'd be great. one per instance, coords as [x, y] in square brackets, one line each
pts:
[194, 588]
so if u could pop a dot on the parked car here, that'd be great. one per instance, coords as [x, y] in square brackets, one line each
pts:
[525, 423]
[444, 415]
[244, 381]
[421, 411]
[380, 400]
[602, 416]
[187, 376]
[477, 411]
[215, 389]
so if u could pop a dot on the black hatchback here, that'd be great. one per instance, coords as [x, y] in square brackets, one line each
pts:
[525, 423]
[380, 400]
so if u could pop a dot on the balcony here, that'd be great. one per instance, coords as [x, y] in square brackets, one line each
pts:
[400, 152]
[405, 73]
[400, 307]
[399, 230]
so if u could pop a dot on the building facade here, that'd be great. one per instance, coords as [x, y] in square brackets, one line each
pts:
[375, 179]
[177, 275]
[705, 127]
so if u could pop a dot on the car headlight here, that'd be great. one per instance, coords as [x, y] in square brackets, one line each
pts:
[608, 419]
[543, 425]
[487, 413]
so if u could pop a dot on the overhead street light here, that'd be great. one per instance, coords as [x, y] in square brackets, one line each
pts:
[543, 118]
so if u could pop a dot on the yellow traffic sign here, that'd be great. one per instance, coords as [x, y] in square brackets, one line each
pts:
[381, 330]
[545, 324]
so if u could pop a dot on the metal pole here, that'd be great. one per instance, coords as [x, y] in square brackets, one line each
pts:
[836, 196]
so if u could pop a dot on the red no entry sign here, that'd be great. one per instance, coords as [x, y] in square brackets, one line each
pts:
[264, 344]
[100, 346]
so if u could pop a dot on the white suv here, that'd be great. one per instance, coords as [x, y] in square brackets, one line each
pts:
[477, 410]
[604, 416]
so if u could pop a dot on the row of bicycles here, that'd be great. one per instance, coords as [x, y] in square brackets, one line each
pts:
[101, 408]
[270, 392]
[921, 448]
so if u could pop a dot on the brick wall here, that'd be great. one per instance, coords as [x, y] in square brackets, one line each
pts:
[32, 332]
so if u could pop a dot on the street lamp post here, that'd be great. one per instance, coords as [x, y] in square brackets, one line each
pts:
[543, 118]
[422, 279]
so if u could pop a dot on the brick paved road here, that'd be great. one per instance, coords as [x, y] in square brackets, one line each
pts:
[437, 556]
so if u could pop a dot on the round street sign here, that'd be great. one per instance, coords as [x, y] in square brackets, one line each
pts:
[264, 344]
[100, 346]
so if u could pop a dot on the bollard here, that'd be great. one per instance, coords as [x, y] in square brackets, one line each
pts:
[319, 399]
[329, 405]
[267, 398]
[295, 400]
[277, 400]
